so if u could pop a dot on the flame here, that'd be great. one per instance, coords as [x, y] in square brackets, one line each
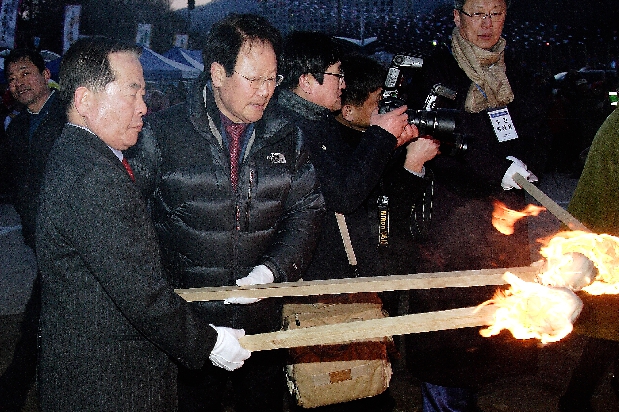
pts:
[504, 219]
[601, 249]
[547, 308]
[530, 310]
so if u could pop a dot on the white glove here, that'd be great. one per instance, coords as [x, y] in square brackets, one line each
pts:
[516, 167]
[258, 276]
[228, 352]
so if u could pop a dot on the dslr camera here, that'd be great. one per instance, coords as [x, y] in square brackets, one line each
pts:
[441, 124]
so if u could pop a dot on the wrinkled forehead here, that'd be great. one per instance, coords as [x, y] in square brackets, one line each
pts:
[257, 53]
[23, 63]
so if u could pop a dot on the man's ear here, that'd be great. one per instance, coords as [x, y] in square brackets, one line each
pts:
[457, 18]
[306, 83]
[47, 74]
[347, 112]
[82, 101]
[218, 74]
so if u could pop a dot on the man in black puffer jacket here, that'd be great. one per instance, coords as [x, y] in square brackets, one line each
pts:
[223, 219]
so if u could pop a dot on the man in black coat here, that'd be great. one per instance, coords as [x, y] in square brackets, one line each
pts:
[313, 83]
[405, 180]
[32, 132]
[235, 201]
[112, 328]
[30, 137]
[501, 117]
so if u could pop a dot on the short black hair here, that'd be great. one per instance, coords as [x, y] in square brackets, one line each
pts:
[227, 36]
[87, 63]
[364, 75]
[24, 53]
[307, 52]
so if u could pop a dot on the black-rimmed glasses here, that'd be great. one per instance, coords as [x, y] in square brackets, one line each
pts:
[340, 76]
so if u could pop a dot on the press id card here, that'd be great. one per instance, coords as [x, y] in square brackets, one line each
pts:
[502, 123]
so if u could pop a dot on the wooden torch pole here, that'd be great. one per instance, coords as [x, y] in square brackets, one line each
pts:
[455, 279]
[560, 213]
[370, 329]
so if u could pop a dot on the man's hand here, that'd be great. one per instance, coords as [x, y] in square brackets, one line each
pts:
[419, 151]
[228, 352]
[516, 167]
[258, 276]
[396, 123]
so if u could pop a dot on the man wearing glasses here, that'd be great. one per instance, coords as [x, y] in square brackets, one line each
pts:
[235, 201]
[311, 93]
[501, 117]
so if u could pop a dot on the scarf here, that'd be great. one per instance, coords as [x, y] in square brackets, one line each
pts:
[486, 69]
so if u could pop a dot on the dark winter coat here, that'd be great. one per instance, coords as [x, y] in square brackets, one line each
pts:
[462, 236]
[28, 151]
[212, 236]
[401, 195]
[111, 326]
[348, 176]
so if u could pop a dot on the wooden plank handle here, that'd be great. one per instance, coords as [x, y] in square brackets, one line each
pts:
[464, 278]
[370, 329]
[560, 213]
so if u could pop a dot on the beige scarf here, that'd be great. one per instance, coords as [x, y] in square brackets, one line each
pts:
[486, 69]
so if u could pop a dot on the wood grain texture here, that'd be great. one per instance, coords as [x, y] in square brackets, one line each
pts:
[465, 278]
[370, 329]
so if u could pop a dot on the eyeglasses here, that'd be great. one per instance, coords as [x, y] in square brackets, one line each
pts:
[340, 76]
[258, 82]
[477, 17]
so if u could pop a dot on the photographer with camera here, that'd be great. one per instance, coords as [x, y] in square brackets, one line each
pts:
[351, 158]
[391, 205]
[313, 84]
[502, 120]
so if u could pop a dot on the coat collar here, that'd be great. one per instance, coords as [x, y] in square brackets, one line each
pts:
[204, 115]
[305, 108]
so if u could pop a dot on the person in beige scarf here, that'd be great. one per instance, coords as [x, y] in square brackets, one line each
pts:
[501, 120]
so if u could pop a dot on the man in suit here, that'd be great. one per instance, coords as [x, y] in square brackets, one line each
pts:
[112, 328]
[30, 136]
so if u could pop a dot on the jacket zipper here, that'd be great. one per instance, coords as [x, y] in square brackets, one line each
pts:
[252, 174]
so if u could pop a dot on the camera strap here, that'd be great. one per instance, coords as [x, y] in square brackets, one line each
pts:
[350, 252]
[383, 220]
[421, 212]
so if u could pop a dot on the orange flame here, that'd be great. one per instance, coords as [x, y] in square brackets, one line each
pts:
[601, 249]
[546, 310]
[504, 219]
[530, 310]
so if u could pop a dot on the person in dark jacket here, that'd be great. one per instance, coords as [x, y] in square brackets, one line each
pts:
[501, 119]
[388, 213]
[232, 210]
[112, 327]
[31, 133]
[385, 218]
[30, 137]
[313, 83]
